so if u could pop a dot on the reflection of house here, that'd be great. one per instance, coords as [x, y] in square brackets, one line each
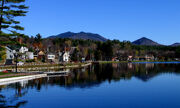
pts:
[130, 58]
[64, 56]
[149, 65]
[115, 59]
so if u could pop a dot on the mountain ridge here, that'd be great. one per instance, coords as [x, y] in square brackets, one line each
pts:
[175, 44]
[97, 37]
[80, 35]
[145, 41]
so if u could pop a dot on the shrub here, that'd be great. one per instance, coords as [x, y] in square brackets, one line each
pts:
[30, 61]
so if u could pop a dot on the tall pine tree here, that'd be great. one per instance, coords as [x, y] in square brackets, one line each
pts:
[9, 27]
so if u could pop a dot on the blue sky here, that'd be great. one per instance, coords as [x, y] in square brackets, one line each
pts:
[158, 20]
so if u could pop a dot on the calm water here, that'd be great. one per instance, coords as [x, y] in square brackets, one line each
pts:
[130, 85]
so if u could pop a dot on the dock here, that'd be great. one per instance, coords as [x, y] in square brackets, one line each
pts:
[19, 79]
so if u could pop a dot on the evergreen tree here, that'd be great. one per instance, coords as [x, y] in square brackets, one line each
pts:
[9, 10]
[38, 38]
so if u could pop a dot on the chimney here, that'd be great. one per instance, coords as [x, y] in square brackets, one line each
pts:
[19, 39]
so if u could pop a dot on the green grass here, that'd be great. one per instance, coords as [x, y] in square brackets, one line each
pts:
[12, 76]
[106, 62]
[1, 73]
[10, 73]
[49, 65]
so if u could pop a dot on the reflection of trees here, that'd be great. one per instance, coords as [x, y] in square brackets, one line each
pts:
[97, 74]
[116, 72]
[6, 102]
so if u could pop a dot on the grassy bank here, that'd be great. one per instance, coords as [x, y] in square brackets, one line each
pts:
[12, 75]
[106, 62]
[67, 65]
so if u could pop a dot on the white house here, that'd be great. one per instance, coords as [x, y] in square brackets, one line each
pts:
[10, 53]
[64, 56]
[9, 56]
[23, 50]
[30, 55]
[51, 56]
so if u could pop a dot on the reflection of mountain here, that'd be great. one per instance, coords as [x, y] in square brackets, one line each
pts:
[92, 76]
[146, 77]
[97, 74]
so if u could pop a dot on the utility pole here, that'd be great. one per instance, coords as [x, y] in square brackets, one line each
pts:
[16, 59]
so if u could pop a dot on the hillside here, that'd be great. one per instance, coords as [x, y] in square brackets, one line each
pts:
[175, 44]
[81, 35]
[145, 41]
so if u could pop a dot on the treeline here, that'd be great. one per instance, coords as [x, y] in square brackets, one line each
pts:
[96, 50]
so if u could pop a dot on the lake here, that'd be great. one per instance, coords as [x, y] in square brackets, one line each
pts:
[123, 85]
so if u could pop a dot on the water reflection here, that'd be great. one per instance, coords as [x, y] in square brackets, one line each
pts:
[12, 100]
[89, 77]
[96, 74]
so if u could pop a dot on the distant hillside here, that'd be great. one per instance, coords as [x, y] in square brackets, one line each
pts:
[175, 44]
[81, 35]
[145, 41]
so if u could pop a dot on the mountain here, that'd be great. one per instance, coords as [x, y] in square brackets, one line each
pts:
[175, 44]
[81, 35]
[145, 41]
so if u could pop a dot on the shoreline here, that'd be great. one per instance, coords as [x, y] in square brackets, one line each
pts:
[6, 81]
[9, 80]
[29, 68]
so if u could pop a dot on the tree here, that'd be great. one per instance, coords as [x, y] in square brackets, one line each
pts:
[38, 38]
[178, 52]
[2, 53]
[38, 41]
[75, 55]
[9, 10]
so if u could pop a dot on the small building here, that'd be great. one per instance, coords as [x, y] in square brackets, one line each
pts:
[51, 56]
[41, 56]
[83, 59]
[23, 50]
[10, 53]
[9, 56]
[30, 55]
[64, 56]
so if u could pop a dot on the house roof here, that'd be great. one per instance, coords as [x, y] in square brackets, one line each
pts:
[41, 53]
[14, 47]
[51, 54]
